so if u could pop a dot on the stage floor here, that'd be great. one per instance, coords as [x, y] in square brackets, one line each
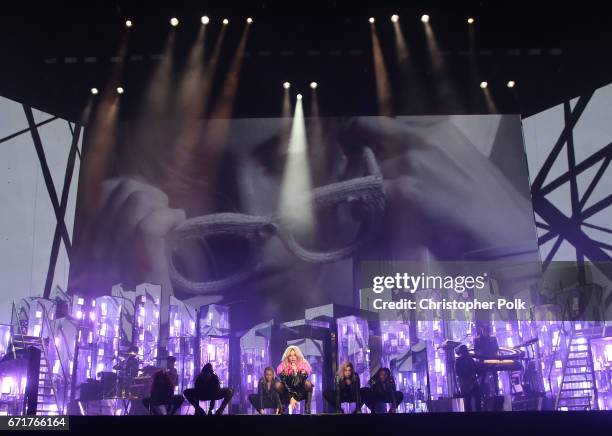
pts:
[490, 423]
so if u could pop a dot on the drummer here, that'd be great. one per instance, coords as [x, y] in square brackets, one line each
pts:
[130, 365]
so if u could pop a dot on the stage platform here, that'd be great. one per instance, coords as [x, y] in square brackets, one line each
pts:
[489, 423]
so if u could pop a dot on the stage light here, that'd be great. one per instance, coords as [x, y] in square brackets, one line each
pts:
[511, 84]
[174, 21]
[205, 20]
[394, 18]
[249, 20]
[371, 20]
[225, 21]
[470, 20]
[299, 96]
[286, 85]
[296, 178]
[120, 90]
[383, 89]
[483, 85]
[314, 85]
[94, 91]
[425, 18]
[128, 23]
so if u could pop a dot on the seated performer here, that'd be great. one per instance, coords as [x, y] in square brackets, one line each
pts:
[208, 388]
[346, 389]
[162, 394]
[382, 390]
[293, 372]
[171, 369]
[127, 370]
[267, 395]
[129, 366]
[465, 368]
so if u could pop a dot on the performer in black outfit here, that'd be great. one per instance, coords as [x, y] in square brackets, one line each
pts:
[208, 388]
[346, 389]
[171, 370]
[129, 366]
[382, 390]
[486, 345]
[293, 372]
[127, 369]
[162, 394]
[267, 395]
[465, 368]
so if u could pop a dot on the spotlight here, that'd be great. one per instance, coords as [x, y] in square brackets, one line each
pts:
[314, 85]
[483, 85]
[286, 85]
[511, 84]
[299, 96]
[128, 23]
[205, 20]
[120, 90]
[394, 18]
[174, 21]
[225, 21]
[470, 20]
[94, 91]
[249, 20]
[371, 20]
[425, 18]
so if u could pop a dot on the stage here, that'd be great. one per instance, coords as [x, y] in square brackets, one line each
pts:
[524, 423]
[239, 208]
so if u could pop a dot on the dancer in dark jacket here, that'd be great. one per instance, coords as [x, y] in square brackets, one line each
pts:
[346, 389]
[382, 390]
[208, 388]
[162, 394]
[267, 395]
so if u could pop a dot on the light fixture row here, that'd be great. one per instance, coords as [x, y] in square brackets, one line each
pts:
[96, 91]
[174, 21]
[313, 85]
[509, 84]
[424, 18]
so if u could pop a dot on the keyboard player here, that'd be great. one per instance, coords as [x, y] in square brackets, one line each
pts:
[486, 345]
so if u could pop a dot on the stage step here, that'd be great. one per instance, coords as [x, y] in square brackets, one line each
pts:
[581, 397]
[47, 395]
[577, 389]
[578, 370]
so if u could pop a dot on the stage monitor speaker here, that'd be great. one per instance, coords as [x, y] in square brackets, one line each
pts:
[90, 391]
[108, 382]
[447, 405]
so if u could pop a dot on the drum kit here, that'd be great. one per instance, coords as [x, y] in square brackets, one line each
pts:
[126, 381]
[118, 385]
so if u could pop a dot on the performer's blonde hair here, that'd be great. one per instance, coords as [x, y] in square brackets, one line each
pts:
[302, 364]
[298, 353]
[344, 365]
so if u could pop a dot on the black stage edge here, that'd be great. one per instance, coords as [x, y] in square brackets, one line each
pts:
[426, 424]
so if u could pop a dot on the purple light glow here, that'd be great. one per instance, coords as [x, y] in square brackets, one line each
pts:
[6, 386]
